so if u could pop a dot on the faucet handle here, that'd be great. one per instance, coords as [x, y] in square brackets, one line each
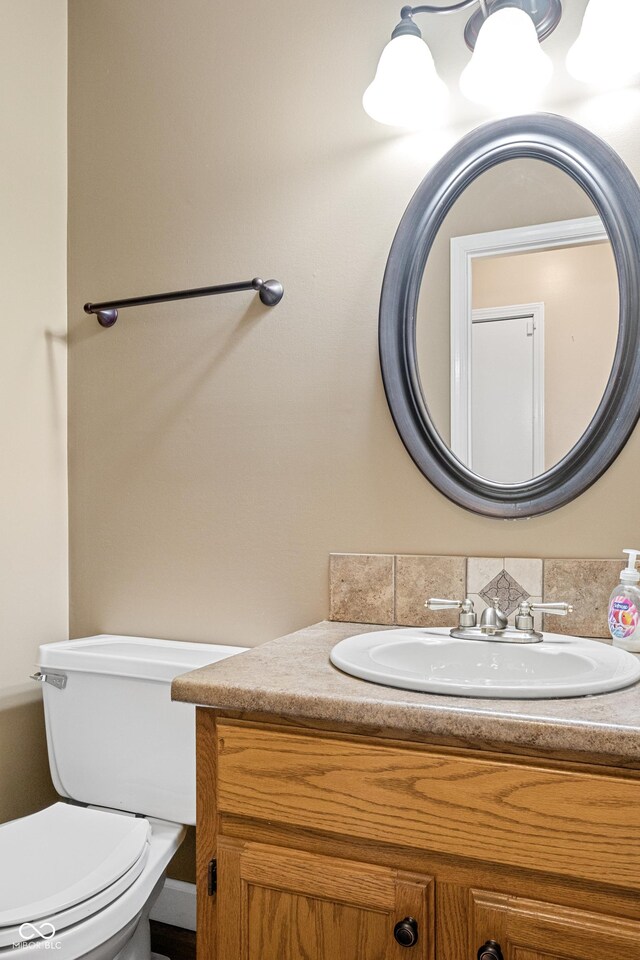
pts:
[524, 616]
[434, 604]
[467, 613]
[558, 609]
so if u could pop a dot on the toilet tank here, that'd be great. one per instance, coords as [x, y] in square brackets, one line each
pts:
[114, 736]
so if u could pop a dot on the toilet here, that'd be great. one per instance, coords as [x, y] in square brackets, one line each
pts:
[80, 877]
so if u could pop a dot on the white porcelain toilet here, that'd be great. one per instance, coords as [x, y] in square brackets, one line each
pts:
[80, 877]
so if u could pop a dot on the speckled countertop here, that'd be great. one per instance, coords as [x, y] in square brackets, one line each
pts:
[292, 677]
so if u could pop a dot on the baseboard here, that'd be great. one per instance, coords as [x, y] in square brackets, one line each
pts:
[176, 905]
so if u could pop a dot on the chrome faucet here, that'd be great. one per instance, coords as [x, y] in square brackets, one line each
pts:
[493, 620]
[494, 624]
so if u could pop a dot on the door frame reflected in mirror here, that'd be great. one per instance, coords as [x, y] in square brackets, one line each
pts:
[613, 190]
[464, 250]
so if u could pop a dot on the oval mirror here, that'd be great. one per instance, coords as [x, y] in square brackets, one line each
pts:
[509, 318]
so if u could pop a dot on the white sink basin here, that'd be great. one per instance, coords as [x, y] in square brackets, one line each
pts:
[433, 662]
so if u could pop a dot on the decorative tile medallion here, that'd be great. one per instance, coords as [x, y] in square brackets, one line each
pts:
[508, 591]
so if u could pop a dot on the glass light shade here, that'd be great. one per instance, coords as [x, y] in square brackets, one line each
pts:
[406, 90]
[508, 69]
[606, 51]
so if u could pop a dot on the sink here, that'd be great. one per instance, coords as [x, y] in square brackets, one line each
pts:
[432, 661]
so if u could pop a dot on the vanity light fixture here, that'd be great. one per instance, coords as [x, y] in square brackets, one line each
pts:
[508, 67]
[606, 51]
[406, 90]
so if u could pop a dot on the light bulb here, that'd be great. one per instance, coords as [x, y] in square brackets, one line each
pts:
[606, 51]
[406, 90]
[508, 69]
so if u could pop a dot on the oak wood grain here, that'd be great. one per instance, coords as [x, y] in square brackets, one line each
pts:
[206, 830]
[609, 762]
[329, 878]
[568, 891]
[287, 905]
[561, 822]
[535, 930]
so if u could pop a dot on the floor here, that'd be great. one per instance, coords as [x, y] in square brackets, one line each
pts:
[173, 942]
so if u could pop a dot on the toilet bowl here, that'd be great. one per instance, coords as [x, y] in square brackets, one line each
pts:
[96, 872]
[80, 878]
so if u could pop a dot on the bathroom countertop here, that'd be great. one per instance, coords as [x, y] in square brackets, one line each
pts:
[292, 677]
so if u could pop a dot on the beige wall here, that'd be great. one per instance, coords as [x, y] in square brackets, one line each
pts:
[218, 450]
[33, 585]
[579, 289]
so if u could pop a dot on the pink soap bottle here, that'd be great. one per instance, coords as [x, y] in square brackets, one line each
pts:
[624, 608]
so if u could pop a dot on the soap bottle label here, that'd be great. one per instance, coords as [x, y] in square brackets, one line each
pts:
[623, 618]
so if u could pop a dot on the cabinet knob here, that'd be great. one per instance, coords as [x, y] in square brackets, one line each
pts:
[490, 951]
[406, 932]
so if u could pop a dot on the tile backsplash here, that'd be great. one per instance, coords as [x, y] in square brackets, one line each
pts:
[388, 589]
[362, 587]
[446, 578]
[587, 584]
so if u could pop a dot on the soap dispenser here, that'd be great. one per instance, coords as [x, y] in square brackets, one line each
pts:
[624, 608]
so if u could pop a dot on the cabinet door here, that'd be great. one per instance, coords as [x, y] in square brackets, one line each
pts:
[280, 904]
[532, 930]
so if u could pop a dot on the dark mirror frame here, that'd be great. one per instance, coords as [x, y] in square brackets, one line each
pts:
[616, 196]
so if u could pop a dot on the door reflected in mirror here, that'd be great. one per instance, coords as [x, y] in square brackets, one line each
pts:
[517, 320]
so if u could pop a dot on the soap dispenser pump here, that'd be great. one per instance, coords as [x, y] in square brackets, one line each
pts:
[624, 607]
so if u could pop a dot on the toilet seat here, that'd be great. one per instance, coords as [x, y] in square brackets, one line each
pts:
[64, 864]
[105, 926]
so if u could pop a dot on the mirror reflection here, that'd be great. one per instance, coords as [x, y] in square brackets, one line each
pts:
[517, 320]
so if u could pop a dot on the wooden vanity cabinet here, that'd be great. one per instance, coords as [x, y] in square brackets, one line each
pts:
[534, 930]
[287, 904]
[337, 846]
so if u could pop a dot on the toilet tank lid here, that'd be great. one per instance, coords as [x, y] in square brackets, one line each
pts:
[140, 657]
